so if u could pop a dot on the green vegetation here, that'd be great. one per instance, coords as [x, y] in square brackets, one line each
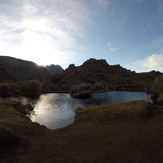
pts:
[124, 132]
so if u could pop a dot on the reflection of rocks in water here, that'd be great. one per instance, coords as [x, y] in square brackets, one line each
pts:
[32, 113]
[28, 103]
[27, 109]
[97, 102]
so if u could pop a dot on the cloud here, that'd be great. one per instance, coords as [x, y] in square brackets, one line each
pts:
[158, 42]
[148, 27]
[46, 28]
[109, 44]
[152, 62]
[111, 48]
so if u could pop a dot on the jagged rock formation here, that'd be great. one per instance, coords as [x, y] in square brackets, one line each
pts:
[100, 76]
[157, 89]
[53, 69]
[80, 91]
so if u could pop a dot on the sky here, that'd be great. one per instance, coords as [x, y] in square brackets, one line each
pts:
[63, 32]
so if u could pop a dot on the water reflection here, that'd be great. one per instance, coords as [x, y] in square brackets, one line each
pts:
[53, 111]
[57, 110]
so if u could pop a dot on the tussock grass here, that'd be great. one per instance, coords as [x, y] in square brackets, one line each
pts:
[119, 133]
[160, 99]
[113, 112]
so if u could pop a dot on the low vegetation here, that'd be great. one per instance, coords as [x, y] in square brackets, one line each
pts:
[29, 88]
[124, 132]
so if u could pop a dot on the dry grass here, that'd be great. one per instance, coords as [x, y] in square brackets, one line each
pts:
[160, 99]
[115, 133]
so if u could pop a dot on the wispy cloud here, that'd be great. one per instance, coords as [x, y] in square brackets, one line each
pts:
[109, 44]
[111, 48]
[148, 27]
[158, 42]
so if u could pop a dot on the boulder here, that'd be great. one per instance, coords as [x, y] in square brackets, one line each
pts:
[98, 87]
[82, 94]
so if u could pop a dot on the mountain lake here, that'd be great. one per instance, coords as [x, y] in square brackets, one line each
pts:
[57, 110]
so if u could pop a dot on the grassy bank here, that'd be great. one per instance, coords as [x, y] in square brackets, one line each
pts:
[119, 133]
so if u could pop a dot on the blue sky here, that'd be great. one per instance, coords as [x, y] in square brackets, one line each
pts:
[125, 32]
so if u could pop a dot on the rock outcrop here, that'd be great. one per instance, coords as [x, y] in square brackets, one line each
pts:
[157, 89]
[100, 76]
[80, 91]
[53, 69]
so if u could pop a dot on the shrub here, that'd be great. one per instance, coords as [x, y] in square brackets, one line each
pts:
[64, 87]
[4, 90]
[157, 87]
[31, 88]
[15, 88]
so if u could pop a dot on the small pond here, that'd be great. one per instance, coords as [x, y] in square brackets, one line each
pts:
[57, 110]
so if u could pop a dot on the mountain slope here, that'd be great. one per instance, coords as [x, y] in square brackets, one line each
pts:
[21, 69]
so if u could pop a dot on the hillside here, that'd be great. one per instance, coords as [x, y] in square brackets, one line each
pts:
[99, 75]
[4, 76]
[21, 69]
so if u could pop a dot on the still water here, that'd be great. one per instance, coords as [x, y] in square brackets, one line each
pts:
[57, 110]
